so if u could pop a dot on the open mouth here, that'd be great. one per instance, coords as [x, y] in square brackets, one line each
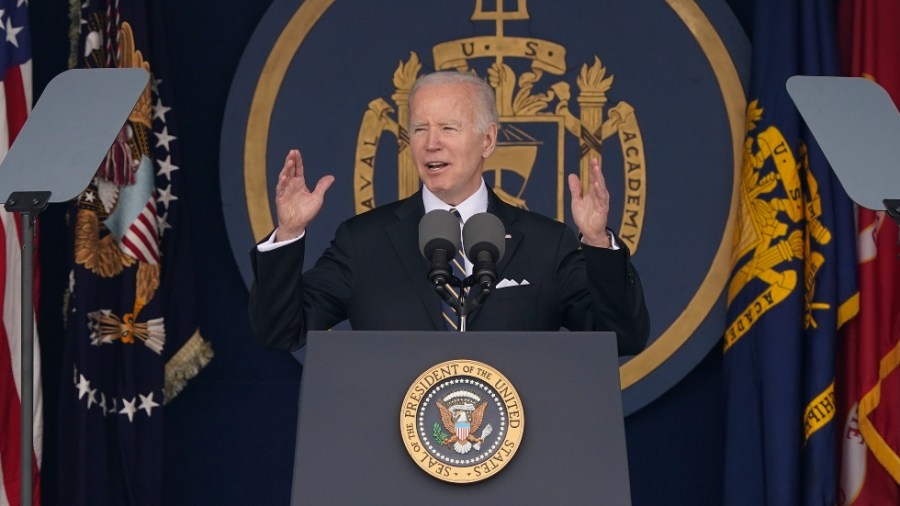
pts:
[436, 165]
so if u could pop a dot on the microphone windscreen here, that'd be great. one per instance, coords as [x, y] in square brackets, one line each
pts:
[438, 229]
[484, 232]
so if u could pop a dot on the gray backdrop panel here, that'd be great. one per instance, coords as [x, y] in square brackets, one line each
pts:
[857, 126]
[70, 130]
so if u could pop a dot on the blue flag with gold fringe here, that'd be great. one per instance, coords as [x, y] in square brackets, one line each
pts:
[793, 281]
[131, 333]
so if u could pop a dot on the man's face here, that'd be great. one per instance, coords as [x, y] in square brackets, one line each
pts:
[447, 146]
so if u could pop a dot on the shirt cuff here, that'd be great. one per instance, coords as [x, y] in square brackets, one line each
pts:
[613, 245]
[271, 244]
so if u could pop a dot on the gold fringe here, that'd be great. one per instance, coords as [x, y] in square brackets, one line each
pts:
[848, 310]
[882, 450]
[74, 31]
[186, 363]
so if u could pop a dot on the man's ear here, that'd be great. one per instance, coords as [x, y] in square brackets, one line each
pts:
[490, 141]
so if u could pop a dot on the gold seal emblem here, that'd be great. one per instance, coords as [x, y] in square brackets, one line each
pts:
[534, 100]
[462, 421]
[559, 105]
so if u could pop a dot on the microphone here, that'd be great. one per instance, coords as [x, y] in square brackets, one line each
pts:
[439, 242]
[485, 241]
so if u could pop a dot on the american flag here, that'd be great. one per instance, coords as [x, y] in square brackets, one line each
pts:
[15, 100]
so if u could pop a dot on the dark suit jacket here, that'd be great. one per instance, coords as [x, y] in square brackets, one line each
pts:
[374, 276]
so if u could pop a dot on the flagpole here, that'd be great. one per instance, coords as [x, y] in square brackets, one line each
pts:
[28, 205]
[27, 370]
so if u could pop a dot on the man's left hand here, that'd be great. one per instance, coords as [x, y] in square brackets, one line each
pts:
[590, 210]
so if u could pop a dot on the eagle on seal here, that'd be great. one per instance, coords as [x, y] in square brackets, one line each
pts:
[462, 421]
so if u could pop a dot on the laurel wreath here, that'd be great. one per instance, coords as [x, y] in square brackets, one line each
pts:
[437, 432]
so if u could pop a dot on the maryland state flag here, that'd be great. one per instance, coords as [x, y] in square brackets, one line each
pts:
[793, 276]
[131, 336]
[869, 388]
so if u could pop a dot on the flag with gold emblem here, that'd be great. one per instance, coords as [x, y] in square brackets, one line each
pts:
[131, 336]
[793, 276]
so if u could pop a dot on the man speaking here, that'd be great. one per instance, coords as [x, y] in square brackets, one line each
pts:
[374, 275]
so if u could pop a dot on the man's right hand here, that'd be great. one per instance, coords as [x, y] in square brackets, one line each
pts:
[295, 205]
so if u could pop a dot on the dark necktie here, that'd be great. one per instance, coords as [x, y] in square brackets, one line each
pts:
[459, 271]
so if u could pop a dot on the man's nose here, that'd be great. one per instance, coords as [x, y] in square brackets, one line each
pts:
[433, 139]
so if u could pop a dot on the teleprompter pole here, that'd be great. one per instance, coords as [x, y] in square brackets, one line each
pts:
[28, 205]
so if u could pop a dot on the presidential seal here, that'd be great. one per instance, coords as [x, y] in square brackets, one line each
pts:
[462, 421]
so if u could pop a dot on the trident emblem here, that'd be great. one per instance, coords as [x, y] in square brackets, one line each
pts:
[528, 109]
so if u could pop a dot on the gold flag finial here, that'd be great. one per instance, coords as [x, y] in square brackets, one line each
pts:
[499, 15]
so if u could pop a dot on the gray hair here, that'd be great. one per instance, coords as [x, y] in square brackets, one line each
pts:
[485, 104]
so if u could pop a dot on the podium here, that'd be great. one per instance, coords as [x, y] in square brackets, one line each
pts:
[350, 449]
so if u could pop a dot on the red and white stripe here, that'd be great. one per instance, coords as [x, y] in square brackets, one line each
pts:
[15, 99]
[142, 238]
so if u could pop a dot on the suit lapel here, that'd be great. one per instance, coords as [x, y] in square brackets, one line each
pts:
[514, 235]
[404, 236]
[508, 217]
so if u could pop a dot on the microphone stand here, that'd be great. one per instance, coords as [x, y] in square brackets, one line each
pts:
[463, 306]
[469, 307]
[442, 279]
[484, 275]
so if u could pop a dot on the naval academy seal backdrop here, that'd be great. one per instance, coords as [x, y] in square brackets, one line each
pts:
[652, 88]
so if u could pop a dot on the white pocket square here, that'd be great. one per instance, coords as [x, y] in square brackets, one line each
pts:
[506, 282]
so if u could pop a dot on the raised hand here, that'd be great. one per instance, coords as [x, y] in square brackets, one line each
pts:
[295, 205]
[590, 211]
